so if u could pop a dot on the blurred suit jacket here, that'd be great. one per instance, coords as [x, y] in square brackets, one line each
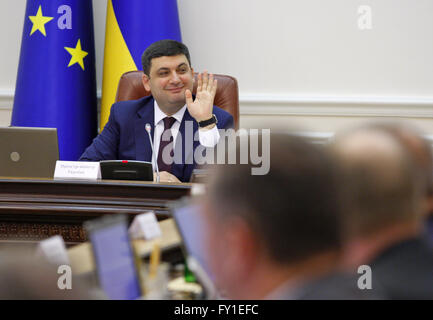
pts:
[405, 270]
[333, 286]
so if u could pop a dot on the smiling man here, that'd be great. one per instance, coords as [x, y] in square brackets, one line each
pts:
[170, 110]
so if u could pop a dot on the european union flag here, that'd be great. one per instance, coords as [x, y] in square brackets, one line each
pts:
[56, 81]
[132, 25]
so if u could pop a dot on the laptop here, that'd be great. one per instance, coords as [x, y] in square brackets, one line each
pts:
[190, 223]
[28, 152]
[116, 265]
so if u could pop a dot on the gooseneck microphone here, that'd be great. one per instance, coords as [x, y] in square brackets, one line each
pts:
[148, 129]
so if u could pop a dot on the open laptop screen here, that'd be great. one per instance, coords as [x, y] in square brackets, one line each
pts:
[114, 259]
[28, 152]
[191, 227]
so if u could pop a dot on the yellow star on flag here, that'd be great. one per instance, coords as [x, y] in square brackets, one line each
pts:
[77, 55]
[39, 22]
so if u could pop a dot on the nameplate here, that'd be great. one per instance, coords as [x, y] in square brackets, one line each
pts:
[54, 250]
[145, 226]
[77, 170]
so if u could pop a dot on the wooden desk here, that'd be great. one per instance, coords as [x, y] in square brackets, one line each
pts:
[81, 256]
[83, 265]
[35, 209]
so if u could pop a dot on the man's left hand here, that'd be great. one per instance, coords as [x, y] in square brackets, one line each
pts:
[165, 176]
[201, 108]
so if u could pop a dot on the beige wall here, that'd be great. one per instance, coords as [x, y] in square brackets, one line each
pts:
[298, 62]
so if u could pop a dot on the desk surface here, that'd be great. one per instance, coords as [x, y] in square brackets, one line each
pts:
[81, 256]
[34, 209]
[94, 182]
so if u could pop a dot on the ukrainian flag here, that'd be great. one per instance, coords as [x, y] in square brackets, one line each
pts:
[132, 25]
[56, 80]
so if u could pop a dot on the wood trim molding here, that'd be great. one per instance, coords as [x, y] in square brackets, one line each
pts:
[313, 105]
[337, 106]
[325, 137]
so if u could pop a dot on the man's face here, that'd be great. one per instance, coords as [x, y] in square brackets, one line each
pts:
[169, 78]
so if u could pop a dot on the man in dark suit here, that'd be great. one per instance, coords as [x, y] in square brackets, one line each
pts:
[384, 201]
[175, 117]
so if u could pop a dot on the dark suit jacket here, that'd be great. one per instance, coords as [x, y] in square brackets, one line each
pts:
[339, 286]
[125, 138]
[405, 270]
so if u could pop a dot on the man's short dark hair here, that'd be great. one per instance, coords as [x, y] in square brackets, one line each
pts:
[294, 209]
[163, 48]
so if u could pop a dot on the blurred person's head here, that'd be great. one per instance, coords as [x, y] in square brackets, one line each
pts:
[420, 149]
[382, 187]
[265, 229]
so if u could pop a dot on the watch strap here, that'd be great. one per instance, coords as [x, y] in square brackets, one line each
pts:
[210, 121]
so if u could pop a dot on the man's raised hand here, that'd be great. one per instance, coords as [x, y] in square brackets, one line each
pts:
[201, 108]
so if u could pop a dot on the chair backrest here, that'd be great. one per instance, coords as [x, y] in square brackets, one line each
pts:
[227, 96]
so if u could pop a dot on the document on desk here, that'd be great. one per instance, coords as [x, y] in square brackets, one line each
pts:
[54, 250]
[145, 226]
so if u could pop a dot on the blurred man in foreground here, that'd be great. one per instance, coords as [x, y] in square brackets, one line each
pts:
[384, 194]
[277, 236]
[421, 151]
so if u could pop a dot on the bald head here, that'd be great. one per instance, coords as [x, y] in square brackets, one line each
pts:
[380, 183]
[418, 147]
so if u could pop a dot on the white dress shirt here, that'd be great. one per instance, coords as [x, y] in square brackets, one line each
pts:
[207, 138]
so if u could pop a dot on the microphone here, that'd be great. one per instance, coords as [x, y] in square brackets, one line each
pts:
[148, 129]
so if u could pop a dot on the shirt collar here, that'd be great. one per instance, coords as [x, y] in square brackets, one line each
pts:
[159, 114]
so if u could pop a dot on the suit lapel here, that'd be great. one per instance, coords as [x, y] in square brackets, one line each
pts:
[144, 115]
[182, 145]
[188, 133]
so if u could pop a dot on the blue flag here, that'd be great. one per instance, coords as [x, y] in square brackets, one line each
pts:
[56, 81]
[133, 25]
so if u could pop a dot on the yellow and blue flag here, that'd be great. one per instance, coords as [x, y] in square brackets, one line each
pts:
[56, 80]
[132, 25]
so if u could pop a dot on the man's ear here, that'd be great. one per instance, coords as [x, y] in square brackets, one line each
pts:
[244, 247]
[145, 80]
[192, 74]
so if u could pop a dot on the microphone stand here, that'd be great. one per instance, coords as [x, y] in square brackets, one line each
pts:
[148, 129]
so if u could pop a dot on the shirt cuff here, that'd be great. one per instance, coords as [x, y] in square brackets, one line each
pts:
[209, 138]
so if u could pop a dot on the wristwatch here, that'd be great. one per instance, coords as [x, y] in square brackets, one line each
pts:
[210, 121]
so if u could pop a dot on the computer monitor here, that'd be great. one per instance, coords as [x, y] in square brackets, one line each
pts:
[191, 226]
[114, 257]
[28, 152]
